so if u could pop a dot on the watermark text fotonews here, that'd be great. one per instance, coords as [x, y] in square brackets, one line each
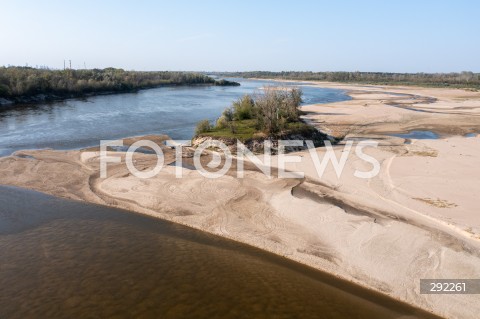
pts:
[221, 158]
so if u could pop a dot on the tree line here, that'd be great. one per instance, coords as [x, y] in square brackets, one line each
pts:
[22, 82]
[461, 80]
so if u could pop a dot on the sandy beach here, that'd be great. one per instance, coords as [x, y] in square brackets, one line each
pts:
[418, 218]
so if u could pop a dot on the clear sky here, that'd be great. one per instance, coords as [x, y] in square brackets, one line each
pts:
[342, 35]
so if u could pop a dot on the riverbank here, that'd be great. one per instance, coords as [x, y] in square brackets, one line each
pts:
[463, 80]
[416, 219]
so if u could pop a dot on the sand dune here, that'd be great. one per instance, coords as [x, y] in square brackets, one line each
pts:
[417, 219]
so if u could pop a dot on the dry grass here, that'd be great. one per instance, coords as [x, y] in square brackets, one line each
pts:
[440, 203]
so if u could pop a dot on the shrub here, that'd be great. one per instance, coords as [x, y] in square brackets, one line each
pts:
[221, 122]
[203, 127]
[228, 114]
[243, 108]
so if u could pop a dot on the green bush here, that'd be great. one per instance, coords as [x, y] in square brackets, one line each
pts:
[203, 127]
[228, 114]
[3, 90]
[221, 122]
[243, 108]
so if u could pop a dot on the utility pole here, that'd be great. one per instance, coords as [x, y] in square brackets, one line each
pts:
[63, 64]
[70, 64]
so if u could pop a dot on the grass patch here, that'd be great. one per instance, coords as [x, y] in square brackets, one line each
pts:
[299, 128]
[242, 130]
[247, 129]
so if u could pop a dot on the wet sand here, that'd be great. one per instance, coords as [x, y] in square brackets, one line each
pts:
[65, 259]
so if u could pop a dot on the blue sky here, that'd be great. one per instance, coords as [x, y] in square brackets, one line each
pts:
[395, 36]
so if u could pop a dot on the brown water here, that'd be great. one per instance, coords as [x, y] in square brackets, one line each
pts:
[65, 259]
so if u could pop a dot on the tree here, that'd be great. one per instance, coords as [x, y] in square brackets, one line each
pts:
[276, 107]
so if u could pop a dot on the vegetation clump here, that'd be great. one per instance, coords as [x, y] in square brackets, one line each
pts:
[224, 82]
[274, 113]
[203, 127]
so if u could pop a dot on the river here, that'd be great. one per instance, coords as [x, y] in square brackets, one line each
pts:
[67, 259]
[174, 111]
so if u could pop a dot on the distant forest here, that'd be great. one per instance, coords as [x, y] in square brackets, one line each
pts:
[457, 80]
[25, 84]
